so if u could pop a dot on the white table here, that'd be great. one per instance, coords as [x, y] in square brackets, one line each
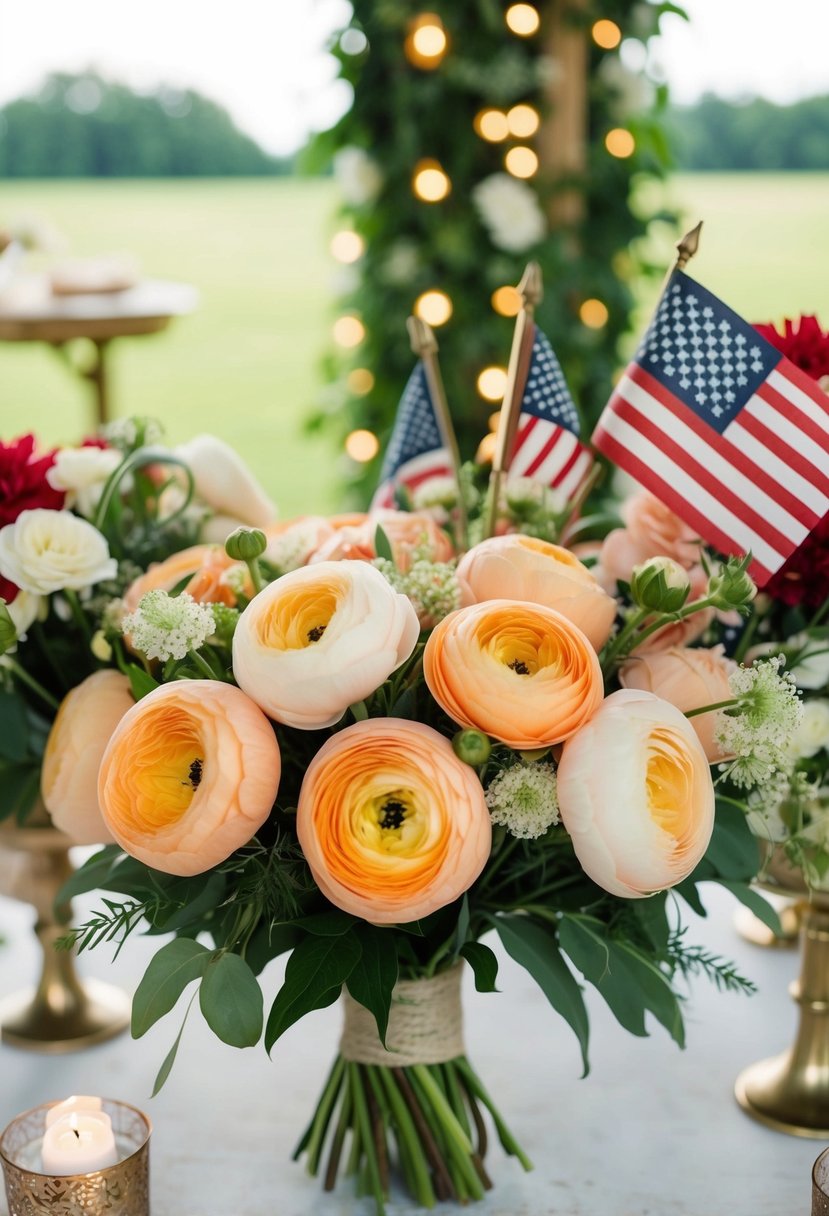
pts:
[653, 1131]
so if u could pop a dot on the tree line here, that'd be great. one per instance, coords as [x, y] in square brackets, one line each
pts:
[757, 134]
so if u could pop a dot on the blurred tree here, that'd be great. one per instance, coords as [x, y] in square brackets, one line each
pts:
[752, 134]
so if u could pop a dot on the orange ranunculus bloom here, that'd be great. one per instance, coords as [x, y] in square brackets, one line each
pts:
[636, 796]
[189, 775]
[205, 567]
[391, 822]
[407, 531]
[520, 672]
[518, 567]
[689, 679]
[87, 717]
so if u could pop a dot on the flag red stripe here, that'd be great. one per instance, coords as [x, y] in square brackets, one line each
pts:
[645, 474]
[793, 459]
[545, 451]
[795, 417]
[524, 434]
[576, 455]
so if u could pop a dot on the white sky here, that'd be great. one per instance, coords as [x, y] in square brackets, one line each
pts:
[265, 61]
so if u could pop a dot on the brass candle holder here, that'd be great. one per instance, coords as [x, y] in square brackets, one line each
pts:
[820, 1185]
[122, 1189]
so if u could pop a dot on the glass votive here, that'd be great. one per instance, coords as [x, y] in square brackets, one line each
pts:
[122, 1189]
[820, 1185]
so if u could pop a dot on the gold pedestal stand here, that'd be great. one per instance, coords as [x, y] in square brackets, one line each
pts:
[752, 929]
[62, 1013]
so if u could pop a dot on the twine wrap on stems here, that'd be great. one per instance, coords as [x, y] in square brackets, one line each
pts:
[425, 1024]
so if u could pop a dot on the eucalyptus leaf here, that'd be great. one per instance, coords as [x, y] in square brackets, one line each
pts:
[314, 976]
[174, 967]
[170, 1058]
[231, 1001]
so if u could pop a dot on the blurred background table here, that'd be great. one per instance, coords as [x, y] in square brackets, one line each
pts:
[652, 1131]
[30, 312]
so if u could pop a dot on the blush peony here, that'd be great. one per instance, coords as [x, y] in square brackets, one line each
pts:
[391, 822]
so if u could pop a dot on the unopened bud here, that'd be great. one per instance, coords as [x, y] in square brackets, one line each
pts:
[732, 586]
[8, 632]
[246, 544]
[660, 585]
[100, 647]
[471, 746]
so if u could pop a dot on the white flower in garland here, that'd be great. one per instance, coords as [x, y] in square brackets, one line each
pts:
[757, 733]
[165, 626]
[432, 588]
[357, 175]
[45, 551]
[83, 473]
[524, 799]
[510, 211]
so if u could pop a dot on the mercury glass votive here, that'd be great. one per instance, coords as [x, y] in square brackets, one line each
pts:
[122, 1189]
[820, 1185]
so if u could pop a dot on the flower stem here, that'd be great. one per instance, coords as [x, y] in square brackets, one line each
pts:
[707, 709]
[78, 614]
[323, 1115]
[201, 662]
[23, 676]
[364, 1123]
[255, 575]
[411, 1148]
[475, 1087]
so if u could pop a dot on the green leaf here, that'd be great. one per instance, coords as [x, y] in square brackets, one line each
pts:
[14, 727]
[194, 906]
[484, 964]
[328, 924]
[92, 875]
[375, 974]
[170, 1058]
[462, 928]
[534, 947]
[314, 976]
[268, 942]
[754, 901]
[141, 682]
[644, 976]
[382, 544]
[174, 967]
[231, 1001]
[19, 787]
[688, 890]
[734, 851]
[652, 915]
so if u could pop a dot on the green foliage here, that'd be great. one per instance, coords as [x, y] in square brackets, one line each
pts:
[314, 976]
[753, 134]
[375, 974]
[484, 964]
[170, 971]
[402, 114]
[231, 1000]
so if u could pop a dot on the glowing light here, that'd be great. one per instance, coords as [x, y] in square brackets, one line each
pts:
[430, 183]
[521, 161]
[486, 449]
[494, 421]
[593, 314]
[506, 301]
[492, 383]
[360, 381]
[362, 446]
[426, 42]
[347, 246]
[433, 307]
[353, 42]
[523, 121]
[349, 331]
[606, 34]
[619, 142]
[523, 20]
[491, 125]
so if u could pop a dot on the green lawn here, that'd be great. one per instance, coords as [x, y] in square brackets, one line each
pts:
[246, 364]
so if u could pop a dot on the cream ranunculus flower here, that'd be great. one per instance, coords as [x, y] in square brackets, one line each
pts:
[45, 551]
[320, 638]
[225, 483]
[517, 567]
[86, 720]
[636, 795]
[82, 473]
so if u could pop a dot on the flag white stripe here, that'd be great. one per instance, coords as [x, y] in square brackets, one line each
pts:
[555, 460]
[789, 432]
[713, 462]
[532, 445]
[800, 399]
[422, 464]
[771, 463]
[576, 475]
[683, 483]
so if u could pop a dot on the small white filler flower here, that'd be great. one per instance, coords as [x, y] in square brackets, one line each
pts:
[757, 733]
[524, 799]
[165, 626]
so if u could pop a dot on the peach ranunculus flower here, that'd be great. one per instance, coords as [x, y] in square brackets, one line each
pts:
[189, 775]
[688, 679]
[409, 532]
[520, 672]
[636, 795]
[651, 530]
[87, 717]
[518, 567]
[391, 822]
[292, 541]
[210, 575]
[318, 639]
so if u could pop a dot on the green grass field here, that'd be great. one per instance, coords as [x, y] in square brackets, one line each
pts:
[246, 364]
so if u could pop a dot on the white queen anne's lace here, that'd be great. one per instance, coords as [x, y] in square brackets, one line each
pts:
[165, 626]
[524, 799]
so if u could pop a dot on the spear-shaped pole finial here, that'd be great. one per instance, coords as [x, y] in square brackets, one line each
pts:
[687, 247]
[531, 287]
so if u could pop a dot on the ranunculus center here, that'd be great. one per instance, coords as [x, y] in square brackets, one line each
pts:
[668, 785]
[300, 617]
[524, 650]
[392, 821]
[169, 763]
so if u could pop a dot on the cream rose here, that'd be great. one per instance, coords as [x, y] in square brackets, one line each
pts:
[636, 795]
[812, 735]
[45, 551]
[83, 473]
[225, 483]
[320, 638]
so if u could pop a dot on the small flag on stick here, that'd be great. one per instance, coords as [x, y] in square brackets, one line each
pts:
[722, 428]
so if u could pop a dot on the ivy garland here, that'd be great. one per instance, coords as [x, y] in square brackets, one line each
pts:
[405, 113]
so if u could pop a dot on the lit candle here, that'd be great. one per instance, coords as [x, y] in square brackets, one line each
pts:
[79, 1143]
[75, 1103]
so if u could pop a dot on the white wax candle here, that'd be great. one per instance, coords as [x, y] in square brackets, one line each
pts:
[79, 1143]
[75, 1103]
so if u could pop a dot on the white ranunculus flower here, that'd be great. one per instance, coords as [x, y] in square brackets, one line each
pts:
[813, 732]
[82, 473]
[510, 211]
[45, 551]
[358, 176]
[224, 481]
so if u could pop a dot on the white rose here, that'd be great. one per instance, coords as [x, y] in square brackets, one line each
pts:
[45, 551]
[510, 211]
[812, 671]
[224, 481]
[357, 175]
[82, 473]
[813, 732]
[24, 610]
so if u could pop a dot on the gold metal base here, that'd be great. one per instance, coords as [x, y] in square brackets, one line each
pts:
[98, 1012]
[785, 1099]
[752, 929]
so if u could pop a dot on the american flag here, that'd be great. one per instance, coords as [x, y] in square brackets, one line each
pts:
[722, 428]
[416, 449]
[546, 446]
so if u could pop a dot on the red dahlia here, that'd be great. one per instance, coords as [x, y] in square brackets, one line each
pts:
[23, 484]
[803, 342]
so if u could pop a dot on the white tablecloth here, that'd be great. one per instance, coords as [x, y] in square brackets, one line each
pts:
[653, 1131]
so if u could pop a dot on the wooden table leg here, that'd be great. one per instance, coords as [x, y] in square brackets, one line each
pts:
[97, 375]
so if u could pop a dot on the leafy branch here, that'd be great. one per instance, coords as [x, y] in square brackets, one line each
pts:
[696, 960]
[115, 924]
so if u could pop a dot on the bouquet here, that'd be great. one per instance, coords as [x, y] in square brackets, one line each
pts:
[354, 740]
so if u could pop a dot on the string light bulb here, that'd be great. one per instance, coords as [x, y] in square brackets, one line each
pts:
[506, 301]
[426, 42]
[521, 161]
[606, 34]
[349, 331]
[620, 143]
[593, 313]
[523, 20]
[433, 307]
[362, 446]
[347, 246]
[360, 381]
[492, 125]
[523, 121]
[492, 383]
[486, 449]
[429, 181]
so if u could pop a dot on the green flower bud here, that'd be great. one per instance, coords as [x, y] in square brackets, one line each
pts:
[660, 584]
[472, 746]
[246, 544]
[8, 633]
[732, 586]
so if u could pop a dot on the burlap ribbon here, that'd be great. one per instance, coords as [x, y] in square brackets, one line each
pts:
[425, 1024]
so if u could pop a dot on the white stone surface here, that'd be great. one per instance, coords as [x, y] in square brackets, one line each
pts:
[653, 1131]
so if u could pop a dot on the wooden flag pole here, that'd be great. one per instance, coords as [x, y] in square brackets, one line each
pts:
[531, 291]
[425, 346]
